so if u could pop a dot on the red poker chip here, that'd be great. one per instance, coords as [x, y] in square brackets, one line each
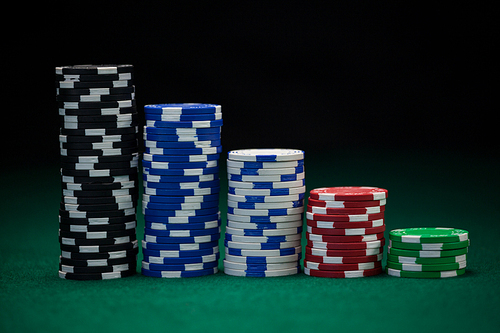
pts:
[350, 211]
[342, 267]
[344, 225]
[343, 253]
[348, 193]
[343, 260]
[354, 239]
[346, 232]
[344, 217]
[326, 244]
[345, 204]
[343, 274]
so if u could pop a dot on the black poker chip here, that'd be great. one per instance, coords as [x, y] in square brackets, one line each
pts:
[97, 214]
[95, 98]
[99, 118]
[99, 248]
[95, 91]
[97, 112]
[97, 276]
[99, 131]
[97, 105]
[91, 69]
[97, 221]
[99, 159]
[103, 255]
[97, 262]
[93, 228]
[97, 242]
[99, 152]
[94, 77]
[73, 84]
[96, 269]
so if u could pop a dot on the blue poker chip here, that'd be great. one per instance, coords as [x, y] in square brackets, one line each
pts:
[262, 239]
[184, 260]
[180, 172]
[260, 267]
[182, 108]
[271, 178]
[181, 240]
[180, 248]
[264, 253]
[264, 198]
[183, 117]
[177, 145]
[267, 185]
[182, 131]
[263, 232]
[267, 192]
[184, 124]
[175, 254]
[182, 219]
[184, 151]
[263, 226]
[262, 273]
[180, 165]
[257, 205]
[265, 212]
[261, 246]
[264, 260]
[182, 233]
[179, 274]
[264, 172]
[179, 267]
[179, 199]
[264, 219]
[183, 226]
[180, 206]
[183, 186]
[181, 158]
[265, 155]
[180, 213]
[185, 192]
[181, 138]
[264, 165]
[179, 179]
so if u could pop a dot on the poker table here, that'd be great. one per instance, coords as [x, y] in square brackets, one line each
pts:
[426, 188]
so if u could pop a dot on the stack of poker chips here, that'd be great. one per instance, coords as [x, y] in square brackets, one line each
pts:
[345, 232]
[99, 159]
[427, 252]
[265, 211]
[181, 190]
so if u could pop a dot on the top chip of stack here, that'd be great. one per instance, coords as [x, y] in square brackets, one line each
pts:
[265, 211]
[181, 190]
[427, 252]
[345, 232]
[99, 160]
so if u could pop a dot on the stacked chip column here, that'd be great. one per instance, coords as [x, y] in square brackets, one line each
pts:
[265, 211]
[427, 253]
[181, 190]
[345, 232]
[99, 159]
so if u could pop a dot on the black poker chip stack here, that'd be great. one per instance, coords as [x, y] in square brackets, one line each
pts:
[99, 165]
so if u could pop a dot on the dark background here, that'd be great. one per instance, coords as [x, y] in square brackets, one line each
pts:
[307, 76]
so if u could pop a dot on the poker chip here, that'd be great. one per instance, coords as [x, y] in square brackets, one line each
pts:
[265, 210]
[345, 232]
[181, 190]
[99, 160]
[427, 253]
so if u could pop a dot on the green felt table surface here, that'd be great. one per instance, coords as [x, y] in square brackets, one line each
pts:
[425, 189]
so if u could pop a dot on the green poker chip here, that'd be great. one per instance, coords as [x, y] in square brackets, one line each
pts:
[429, 246]
[426, 254]
[425, 275]
[429, 261]
[429, 235]
[426, 267]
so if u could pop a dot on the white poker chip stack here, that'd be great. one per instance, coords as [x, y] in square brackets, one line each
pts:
[265, 212]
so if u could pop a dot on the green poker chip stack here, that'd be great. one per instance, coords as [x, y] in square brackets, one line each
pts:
[430, 253]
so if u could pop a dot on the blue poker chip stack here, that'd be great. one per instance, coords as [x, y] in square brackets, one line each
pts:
[99, 171]
[265, 212]
[181, 190]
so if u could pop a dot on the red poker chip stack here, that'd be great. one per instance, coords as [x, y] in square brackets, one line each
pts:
[345, 232]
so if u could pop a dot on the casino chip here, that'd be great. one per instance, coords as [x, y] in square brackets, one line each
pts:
[427, 253]
[265, 211]
[99, 175]
[345, 232]
[181, 190]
